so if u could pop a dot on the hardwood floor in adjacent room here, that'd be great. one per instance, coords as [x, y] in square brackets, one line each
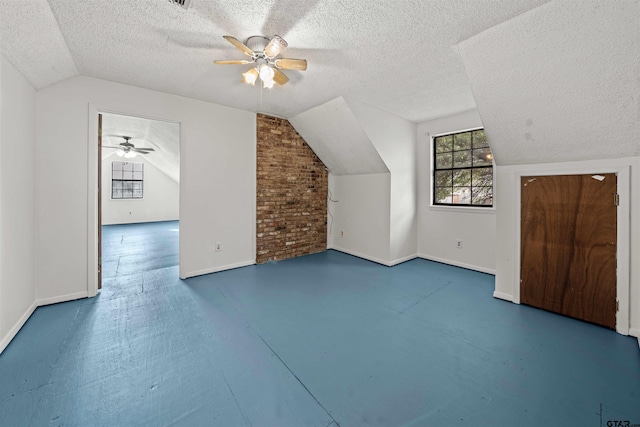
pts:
[320, 340]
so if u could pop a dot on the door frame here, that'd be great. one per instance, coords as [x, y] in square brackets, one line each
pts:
[92, 188]
[623, 228]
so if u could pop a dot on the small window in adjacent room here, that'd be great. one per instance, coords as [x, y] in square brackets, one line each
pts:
[127, 180]
[463, 170]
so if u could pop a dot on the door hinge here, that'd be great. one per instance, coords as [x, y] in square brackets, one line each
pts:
[617, 306]
[616, 199]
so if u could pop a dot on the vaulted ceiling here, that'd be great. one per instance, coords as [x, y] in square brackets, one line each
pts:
[552, 80]
[397, 56]
[560, 82]
[163, 137]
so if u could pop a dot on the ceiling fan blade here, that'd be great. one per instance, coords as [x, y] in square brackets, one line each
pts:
[276, 45]
[237, 43]
[127, 144]
[233, 62]
[291, 64]
[279, 77]
[110, 146]
[142, 151]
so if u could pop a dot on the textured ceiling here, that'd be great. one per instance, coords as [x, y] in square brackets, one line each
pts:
[564, 85]
[31, 39]
[396, 56]
[163, 137]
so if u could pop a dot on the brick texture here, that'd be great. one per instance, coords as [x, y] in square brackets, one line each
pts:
[292, 186]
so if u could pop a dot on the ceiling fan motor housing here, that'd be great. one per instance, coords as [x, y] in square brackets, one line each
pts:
[257, 43]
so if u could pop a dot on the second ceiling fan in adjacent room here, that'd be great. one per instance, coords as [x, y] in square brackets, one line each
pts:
[128, 150]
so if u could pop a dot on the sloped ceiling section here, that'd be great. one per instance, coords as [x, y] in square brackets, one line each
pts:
[163, 137]
[31, 39]
[395, 56]
[335, 135]
[560, 82]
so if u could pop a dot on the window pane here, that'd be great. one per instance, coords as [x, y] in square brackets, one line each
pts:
[444, 178]
[463, 169]
[462, 195]
[444, 143]
[479, 139]
[137, 175]
[462, 159]
[482, 157]
[137, 166]
[443, 195]
[462, 141]
[117, 174]
[462, 178]
[444, 160]
[482, 196]
[482, 177]
[137, 190]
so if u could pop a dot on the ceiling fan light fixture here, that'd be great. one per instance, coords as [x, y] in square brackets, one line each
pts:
[263, 52]
[276, 45]
[250, 76]
[129, 155]
[267, 84]
[266, 73]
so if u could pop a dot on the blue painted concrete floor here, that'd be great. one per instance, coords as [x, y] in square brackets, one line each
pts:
[320, 340]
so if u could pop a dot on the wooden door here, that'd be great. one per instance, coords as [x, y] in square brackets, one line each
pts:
[568, 245]
[99, 201]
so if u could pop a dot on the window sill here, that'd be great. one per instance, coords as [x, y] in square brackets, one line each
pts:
[463, 209]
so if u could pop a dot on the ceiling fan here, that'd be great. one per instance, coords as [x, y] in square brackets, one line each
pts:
[264, 54]
[129, 150]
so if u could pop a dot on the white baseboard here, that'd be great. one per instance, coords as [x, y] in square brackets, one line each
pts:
[16, 328]
[502, 295]
[404, 259]
[61, 298]
[458, 264]
[410, 257]
[363, 256]
[216, 269]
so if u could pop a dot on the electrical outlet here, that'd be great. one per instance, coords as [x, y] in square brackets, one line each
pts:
[341, 233]
[459, 243]
[218, 246]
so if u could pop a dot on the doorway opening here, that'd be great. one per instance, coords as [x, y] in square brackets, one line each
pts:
[138, 201]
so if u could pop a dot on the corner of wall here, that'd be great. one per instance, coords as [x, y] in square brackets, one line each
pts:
[17, 200]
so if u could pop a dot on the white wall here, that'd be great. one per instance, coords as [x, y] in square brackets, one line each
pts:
[508, 239]
[17, 200]
[395, 140]
[335, 134]
[217, 183]
[160, 200]
[360, 224]
[440, 227]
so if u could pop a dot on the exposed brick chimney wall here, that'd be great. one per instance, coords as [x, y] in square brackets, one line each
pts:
[292, 185]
